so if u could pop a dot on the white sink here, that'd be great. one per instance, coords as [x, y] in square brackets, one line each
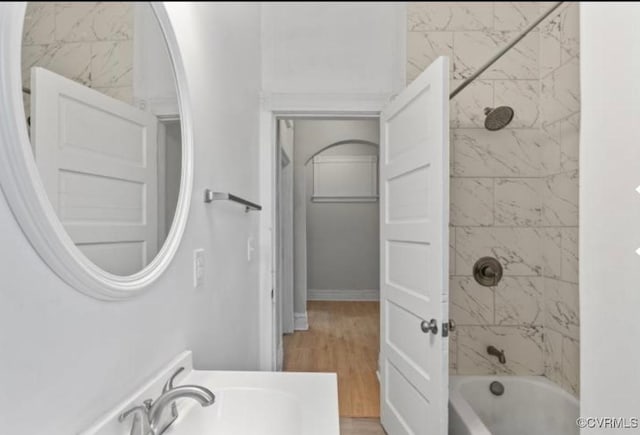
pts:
[244, 411]
[262, 403]
[247, 403]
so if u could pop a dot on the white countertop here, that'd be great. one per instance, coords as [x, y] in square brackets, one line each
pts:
[263, 403]
[247, 403]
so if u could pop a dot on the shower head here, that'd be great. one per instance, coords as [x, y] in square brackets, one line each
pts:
[498, 118]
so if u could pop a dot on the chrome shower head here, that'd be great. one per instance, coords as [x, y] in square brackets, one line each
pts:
[498, 118]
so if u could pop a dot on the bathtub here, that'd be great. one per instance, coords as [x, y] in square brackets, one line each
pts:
[530, 405]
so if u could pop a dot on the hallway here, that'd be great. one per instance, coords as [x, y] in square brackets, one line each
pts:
[343, 337]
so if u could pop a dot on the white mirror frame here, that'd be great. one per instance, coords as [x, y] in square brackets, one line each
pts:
[25, 193]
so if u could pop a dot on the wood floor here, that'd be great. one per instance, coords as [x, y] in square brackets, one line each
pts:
[343, 337]
[361, 426]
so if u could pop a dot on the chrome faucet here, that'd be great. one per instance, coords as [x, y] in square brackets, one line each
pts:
[147, 417]
[492, 350]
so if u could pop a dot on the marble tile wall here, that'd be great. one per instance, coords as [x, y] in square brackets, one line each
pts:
[514, 191]
[89, 42]
[560, 124]
[497, 182]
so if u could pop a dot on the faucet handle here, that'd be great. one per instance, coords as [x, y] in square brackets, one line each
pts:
[169, 384]
[141, 425]
[174, 408]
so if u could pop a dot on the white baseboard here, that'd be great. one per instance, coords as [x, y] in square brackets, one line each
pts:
[300, 321]
[343, 295]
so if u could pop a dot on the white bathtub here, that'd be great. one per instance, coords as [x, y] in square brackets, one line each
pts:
[530, 405]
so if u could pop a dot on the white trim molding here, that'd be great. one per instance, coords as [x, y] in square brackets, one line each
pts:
[343, 295]
[345, 199]
[300, 321]
[321, 105]
[161, 107]
[292, 105]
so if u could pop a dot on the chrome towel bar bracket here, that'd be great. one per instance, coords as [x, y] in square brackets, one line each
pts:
[210, 196]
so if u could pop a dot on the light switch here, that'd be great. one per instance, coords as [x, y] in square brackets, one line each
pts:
[250, 248]
[198, 268]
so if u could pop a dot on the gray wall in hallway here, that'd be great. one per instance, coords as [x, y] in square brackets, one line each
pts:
[310, 137]
[342, 237]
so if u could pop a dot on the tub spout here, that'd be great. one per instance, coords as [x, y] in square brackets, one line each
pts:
[492, 350]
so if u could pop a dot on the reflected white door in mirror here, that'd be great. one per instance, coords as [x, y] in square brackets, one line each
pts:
[96, 155]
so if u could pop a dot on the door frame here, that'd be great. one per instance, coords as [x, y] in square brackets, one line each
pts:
[163, 120]
[290, 106]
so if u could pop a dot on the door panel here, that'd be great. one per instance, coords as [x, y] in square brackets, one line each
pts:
[120, 139]
[402, 189]
[414, 176]
[408, 266]
[410, 407]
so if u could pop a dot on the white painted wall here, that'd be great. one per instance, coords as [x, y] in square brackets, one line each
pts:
[305, 49]
[609, 210]
[310, 137]
[67, 358]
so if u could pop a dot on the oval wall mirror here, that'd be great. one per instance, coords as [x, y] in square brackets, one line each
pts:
[98, 141]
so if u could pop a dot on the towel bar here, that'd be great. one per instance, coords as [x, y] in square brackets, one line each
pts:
[210, 196]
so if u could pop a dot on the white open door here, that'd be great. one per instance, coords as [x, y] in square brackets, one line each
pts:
[414, 219]
[97, 157]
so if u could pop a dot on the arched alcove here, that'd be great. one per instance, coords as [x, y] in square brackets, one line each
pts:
[339, 144]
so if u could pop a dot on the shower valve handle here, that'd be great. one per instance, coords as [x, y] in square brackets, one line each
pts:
[488, 272]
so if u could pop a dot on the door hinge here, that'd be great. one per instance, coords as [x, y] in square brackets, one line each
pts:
[272, 294]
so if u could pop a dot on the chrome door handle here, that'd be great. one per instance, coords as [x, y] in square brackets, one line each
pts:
[430, 326]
